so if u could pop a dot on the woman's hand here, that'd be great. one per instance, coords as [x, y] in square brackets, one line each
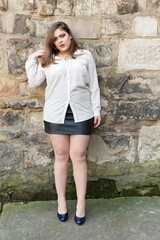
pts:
[38, 53]
[97, 121]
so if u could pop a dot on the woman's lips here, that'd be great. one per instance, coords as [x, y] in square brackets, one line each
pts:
[62, 45]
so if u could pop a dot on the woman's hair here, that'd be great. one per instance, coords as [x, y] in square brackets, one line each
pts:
[50, 49]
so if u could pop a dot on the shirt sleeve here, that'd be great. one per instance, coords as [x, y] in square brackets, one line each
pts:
[34, 72]
[94, 87]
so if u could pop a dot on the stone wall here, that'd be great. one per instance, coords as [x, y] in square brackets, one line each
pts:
[124, 152]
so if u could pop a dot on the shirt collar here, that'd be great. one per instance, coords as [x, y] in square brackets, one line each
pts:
[76, 53]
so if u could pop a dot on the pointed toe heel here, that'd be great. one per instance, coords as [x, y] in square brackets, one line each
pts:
[79, 220]
[62, 217]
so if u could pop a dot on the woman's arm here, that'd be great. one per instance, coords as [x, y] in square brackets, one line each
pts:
[34, 71]
[94, 87]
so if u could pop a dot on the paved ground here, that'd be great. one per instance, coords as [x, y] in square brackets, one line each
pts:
[135, 218]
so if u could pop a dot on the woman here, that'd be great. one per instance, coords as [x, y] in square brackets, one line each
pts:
[71, 109]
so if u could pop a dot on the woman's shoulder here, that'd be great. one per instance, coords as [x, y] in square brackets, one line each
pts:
[85, 52]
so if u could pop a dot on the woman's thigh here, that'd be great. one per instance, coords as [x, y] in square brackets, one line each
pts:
[78, 145]
[60, 143]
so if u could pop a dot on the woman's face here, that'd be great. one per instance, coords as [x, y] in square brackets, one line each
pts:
[62, 40]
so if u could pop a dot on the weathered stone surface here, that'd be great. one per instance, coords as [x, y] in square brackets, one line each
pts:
[151, 85]
[38, 149]
[149, 141]
[16, 5]
[101, 7]
[30, 5]
[1, 54]
[135, 86]
[7, 23]
[116, 81]
[36, 119]
[102, 53]
[139, 54]
[137, 109]
[142, 5]
[114, 141]
[33, 103]
[8, 87]
[120, 83]
[11, 119]
[6, 134]
[18, 51]
[114, 26]
[145, 26]
[64, 7]
[91, 29]
[3, 5]
[10, 156]
[127, 6]
[20, 24]
[46, 7]
[99, 151]
[38, 28]
[95, 7]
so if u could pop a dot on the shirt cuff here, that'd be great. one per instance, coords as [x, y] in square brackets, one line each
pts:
[97, 113]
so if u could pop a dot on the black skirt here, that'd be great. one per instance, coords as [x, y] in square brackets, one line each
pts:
[69, 126]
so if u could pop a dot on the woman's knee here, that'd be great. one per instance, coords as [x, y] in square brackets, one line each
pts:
[78, 155]
[61, 155]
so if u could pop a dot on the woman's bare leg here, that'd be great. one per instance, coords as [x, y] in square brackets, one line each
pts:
[60, 144]
[78, 149]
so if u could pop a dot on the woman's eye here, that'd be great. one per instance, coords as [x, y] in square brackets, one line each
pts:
[63, 35]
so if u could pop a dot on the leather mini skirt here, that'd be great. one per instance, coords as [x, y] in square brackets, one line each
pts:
[69, 126]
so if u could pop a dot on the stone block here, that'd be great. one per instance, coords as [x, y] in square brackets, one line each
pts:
[7, 23]
[91, 29]
[6, 134]
[35, 119]
[64, 7]
[95, 7]
[11, 119]
[114, 26]
[11, 155]
[145, 26]
[18, 50]
[116, 81]
[20, 24]
[30, 5]
[151, 85]
[149, 142]
[127, 6]
[142, 5]
[120, 83]
[102, 53]
[101, 150]
[137, 54]
[8, 87]
[146, 109]
[16, 5]
[3, 5]
[46, 7]
[38, 28]
[33, 103]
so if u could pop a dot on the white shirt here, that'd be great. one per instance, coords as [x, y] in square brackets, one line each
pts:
[71, 81]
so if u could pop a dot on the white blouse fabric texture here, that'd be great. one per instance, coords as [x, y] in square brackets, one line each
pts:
[71, 81]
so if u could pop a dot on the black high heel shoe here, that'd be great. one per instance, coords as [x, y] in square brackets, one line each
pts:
[62, 217]
[79, 220]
